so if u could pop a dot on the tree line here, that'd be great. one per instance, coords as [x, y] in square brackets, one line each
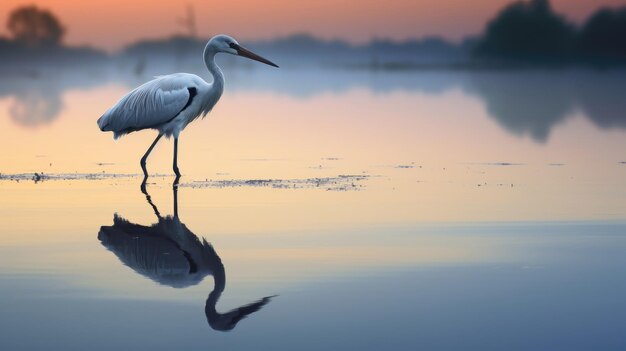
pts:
[532, 31]
[525, 31]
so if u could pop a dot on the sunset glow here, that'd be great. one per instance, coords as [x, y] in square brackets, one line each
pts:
[113, 24]
[313, 175]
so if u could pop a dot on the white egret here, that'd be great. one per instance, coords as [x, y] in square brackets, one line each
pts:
[169, 103]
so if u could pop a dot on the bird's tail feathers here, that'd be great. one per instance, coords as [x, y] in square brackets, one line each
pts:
[103, 123]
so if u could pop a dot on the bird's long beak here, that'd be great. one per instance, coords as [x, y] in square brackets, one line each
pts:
[241, 51]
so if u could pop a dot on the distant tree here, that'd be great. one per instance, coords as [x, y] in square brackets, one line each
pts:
[604, 35]
[34, 27]
[527, 30]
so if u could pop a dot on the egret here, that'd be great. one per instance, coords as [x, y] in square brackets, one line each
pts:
[169, 103]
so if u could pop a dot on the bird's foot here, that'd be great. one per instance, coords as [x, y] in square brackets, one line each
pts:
[177, 173]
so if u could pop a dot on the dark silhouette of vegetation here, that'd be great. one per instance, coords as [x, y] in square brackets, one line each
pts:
[524, 33]
[36, 40]
[604, 35]
[33, 27]
[169, 46]
[528, 31]
[304, 49]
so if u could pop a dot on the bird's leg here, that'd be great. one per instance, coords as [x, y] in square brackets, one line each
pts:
[176, 171]
[175, 197]
[143, 162]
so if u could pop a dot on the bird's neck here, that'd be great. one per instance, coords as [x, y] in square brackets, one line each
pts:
[216, 72]
[219, 278]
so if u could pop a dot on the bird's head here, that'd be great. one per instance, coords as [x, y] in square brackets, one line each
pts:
[227, 44]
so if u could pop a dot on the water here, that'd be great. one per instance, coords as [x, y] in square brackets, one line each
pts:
[428, 209]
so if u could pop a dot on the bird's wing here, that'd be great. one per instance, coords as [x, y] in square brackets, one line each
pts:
[149, 105]
[149, 252]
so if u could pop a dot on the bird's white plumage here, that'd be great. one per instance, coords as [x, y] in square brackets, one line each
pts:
[152, 104]
[169, 103]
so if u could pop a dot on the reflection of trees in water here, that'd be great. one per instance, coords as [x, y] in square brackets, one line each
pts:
[38, 95]
[35, 107]
[532, 103]
[523, 102]
[604, 100]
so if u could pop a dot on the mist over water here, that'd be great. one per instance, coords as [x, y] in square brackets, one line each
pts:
[523, 102]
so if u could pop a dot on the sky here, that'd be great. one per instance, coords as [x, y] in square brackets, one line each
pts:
[112, 24]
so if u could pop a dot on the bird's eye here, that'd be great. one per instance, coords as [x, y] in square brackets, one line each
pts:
[232, 45]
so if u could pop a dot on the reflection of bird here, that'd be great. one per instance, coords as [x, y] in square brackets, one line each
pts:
[168, 103]
[170, 254]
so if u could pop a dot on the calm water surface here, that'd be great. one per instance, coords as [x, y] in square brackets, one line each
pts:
[341, 210]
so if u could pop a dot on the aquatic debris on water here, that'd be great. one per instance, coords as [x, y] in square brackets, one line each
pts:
[503, 164]
[41, 176]
[338, 183]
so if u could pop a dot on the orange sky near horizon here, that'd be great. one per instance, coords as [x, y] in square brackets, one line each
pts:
[114, 23]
